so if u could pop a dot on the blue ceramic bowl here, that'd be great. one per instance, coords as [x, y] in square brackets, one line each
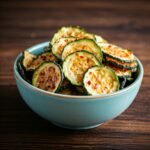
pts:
[76, 112]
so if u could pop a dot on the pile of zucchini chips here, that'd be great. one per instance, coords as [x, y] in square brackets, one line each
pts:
[79, 63]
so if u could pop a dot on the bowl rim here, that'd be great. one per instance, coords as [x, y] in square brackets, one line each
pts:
[43, 44]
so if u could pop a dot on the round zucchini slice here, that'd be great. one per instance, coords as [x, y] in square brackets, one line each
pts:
[47, 56]
[100, 80]
[76, 64]
[83, 44]
[28, 59]
[117, 53]
[59, 45]
[120, 64]
[122, 73]
[48, 76]
[71, 32]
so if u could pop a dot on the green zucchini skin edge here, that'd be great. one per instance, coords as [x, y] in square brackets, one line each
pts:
[121, 66]
[23, 54]
[38, 56]
[83, 81]
[123, 76]
[64, 87]
[95, 44]
[53, 40]
[119, 76]
[62, 50]
[47, 62]
[103, 40]
[22, 71]
[72, 54]
[101, 66]
[116, 58]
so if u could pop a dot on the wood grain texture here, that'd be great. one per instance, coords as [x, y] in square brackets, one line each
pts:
[25, 23]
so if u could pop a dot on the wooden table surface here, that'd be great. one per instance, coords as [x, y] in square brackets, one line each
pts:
[25, 23]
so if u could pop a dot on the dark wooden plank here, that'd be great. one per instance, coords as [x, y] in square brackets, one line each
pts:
[25, 23]
[78, 4]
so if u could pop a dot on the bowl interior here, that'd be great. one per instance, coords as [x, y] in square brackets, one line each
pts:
[37, 49]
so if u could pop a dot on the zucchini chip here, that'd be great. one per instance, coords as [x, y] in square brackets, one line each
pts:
[25, 75]
[83, 44]
[66, 91]
[48, 76]
[134, 70]
[117, 53]
[69, 91]
[120, 64]
[100, 80]
[59, 45]
[71, 32]
[123, 82]
[28, 59]
[47, 56]
[121, 72]
[130, 79]
[47, 48]
[81, 90]
[76, 64]
[65, 84]
[99, 39]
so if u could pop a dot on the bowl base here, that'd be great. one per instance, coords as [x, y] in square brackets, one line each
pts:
[76, 128]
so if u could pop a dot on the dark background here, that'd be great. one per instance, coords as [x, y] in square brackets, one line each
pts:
[25, 23]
